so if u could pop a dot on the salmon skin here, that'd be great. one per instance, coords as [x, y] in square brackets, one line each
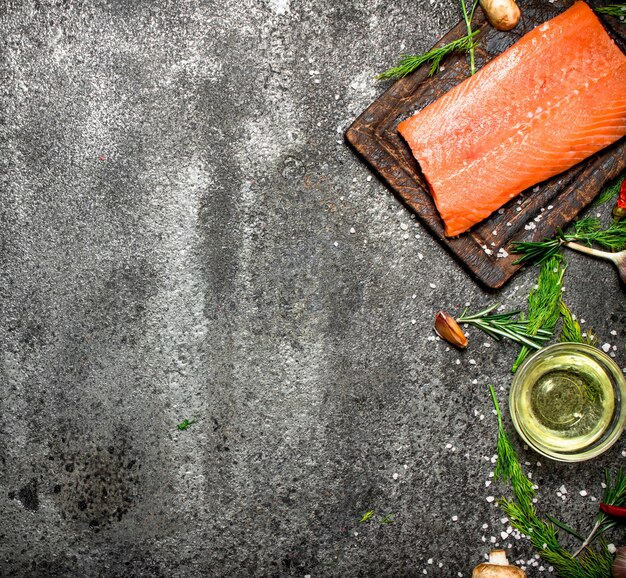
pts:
[556, 97]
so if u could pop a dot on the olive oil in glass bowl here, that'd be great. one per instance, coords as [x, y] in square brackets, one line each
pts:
[568, 402]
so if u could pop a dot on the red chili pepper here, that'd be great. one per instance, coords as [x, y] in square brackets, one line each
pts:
[617, 512]
[619, 210]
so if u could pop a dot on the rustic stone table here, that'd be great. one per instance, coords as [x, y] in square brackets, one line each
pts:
[184, 234]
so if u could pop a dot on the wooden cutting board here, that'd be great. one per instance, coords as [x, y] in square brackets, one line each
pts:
[536, 213]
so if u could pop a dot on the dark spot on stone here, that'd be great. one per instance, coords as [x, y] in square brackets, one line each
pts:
[11, 495]
[57, 488]
[28, 496]
[101, 487]
[69, 467]
[293, 168]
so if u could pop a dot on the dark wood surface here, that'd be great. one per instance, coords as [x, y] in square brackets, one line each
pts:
[534, 214]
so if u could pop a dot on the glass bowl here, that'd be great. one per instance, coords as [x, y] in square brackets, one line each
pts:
[568, 402]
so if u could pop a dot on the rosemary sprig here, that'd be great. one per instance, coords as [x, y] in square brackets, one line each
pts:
[613, 9]
[544, 302]
[543, 535]
[587, 231]
[408, 63]
[499, 325]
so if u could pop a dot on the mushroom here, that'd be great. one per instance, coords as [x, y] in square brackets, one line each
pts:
[503, 14]
[497, 567]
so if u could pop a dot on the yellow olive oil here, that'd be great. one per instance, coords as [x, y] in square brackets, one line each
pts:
[566, 403]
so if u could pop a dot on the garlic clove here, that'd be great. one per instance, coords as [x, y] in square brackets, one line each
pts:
[618, 570]
[448, 329]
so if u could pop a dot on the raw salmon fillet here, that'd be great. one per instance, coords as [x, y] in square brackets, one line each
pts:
[554, 98]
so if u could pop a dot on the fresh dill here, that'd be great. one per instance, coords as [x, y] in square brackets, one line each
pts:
[185, 424]
[571, 330]
[408, 63]
[610, 191]
[367, 516]
[613, 10]
[614, 495]
[587, 231]
[468, 17]
[589, 562]
[544, 302]
[387, 519]
[499, 325]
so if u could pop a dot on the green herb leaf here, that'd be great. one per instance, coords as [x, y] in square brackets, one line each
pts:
[499, 325]
[183, 425]
[408, 64]
[588, 562]
[587, 231]
[611, 190]
[571, 331]
[387, 519]
[544, 302]
[367, 516]
[613, 10]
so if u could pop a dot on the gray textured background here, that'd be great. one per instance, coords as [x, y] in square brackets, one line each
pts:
[184, 233]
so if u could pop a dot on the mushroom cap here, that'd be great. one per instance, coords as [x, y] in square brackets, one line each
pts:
[497, 571]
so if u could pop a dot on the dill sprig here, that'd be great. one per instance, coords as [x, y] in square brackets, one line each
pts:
[507, 465]
[499, 325]
[467, 43]
[613, 10]
[614, 495]
[543, 535]
[610, 191]
[544, 302]
[408, 63]
[468, 17]
[571, 331]
[587, 231]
